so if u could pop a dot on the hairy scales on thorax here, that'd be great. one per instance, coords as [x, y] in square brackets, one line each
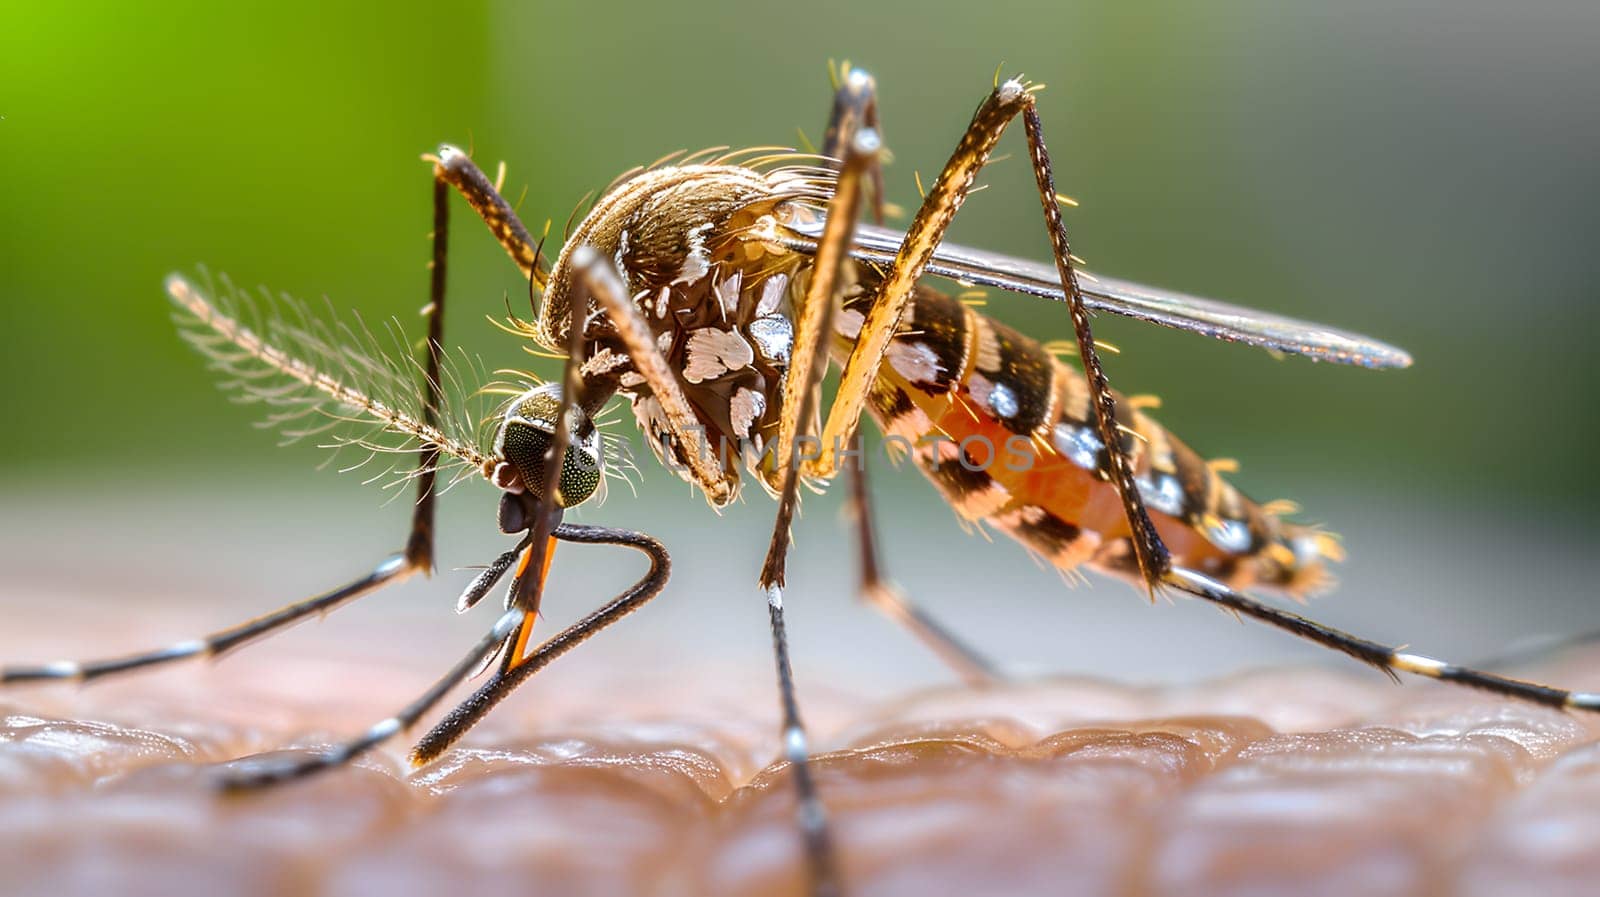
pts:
[719, 305]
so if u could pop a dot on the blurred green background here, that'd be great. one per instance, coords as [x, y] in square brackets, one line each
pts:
[1421, 171]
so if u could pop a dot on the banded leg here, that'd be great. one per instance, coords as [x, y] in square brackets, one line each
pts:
[1385, 658]
[454, 167]
[855, 109]
[939, 207]
[250, 774]
[808, 363]
[393, 569]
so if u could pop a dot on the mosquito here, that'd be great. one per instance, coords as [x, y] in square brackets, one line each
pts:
[711, 292]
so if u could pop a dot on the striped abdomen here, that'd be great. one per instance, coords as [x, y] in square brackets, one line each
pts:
[1005, 431]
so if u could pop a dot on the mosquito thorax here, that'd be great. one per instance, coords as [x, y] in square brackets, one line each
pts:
[672, 226]
[687, 241]
[527, 432]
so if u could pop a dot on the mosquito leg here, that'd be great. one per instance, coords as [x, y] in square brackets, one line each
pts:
[808, 363]
[878, 328]
[249, 774]
[1386, 658]
[855, 108]
[1153, 557]
[392, 569]
[858, 150]
[467, 714]
[882, 320]
[878, 591]
[526, 594]
[419, 546]
[813, 323]
[454, 167]
[418, 553]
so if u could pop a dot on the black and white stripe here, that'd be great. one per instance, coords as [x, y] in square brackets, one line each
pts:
[1390, 660]
[392, 569]
[258, 773]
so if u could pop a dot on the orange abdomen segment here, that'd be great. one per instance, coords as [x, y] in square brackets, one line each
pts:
[1004, 430]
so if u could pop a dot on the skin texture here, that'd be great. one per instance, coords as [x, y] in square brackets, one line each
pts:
[644, 762]
[1277, 781]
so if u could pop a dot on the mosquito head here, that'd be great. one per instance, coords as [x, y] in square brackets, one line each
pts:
[527, 432]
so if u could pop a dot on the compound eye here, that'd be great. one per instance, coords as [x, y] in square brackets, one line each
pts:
[580, 476]
[527, 433]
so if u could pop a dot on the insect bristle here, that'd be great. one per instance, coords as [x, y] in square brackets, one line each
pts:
[366, 386]
[1280, 507]
[584, 204]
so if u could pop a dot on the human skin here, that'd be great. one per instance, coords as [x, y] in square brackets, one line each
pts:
[645, 761]
[1276, 781]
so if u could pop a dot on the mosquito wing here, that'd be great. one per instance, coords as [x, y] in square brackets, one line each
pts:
[1208, 317]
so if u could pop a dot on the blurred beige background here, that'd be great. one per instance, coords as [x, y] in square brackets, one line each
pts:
[1420, 171]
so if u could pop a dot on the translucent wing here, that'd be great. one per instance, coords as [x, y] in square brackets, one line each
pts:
[1209, 317]
[339, 381]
